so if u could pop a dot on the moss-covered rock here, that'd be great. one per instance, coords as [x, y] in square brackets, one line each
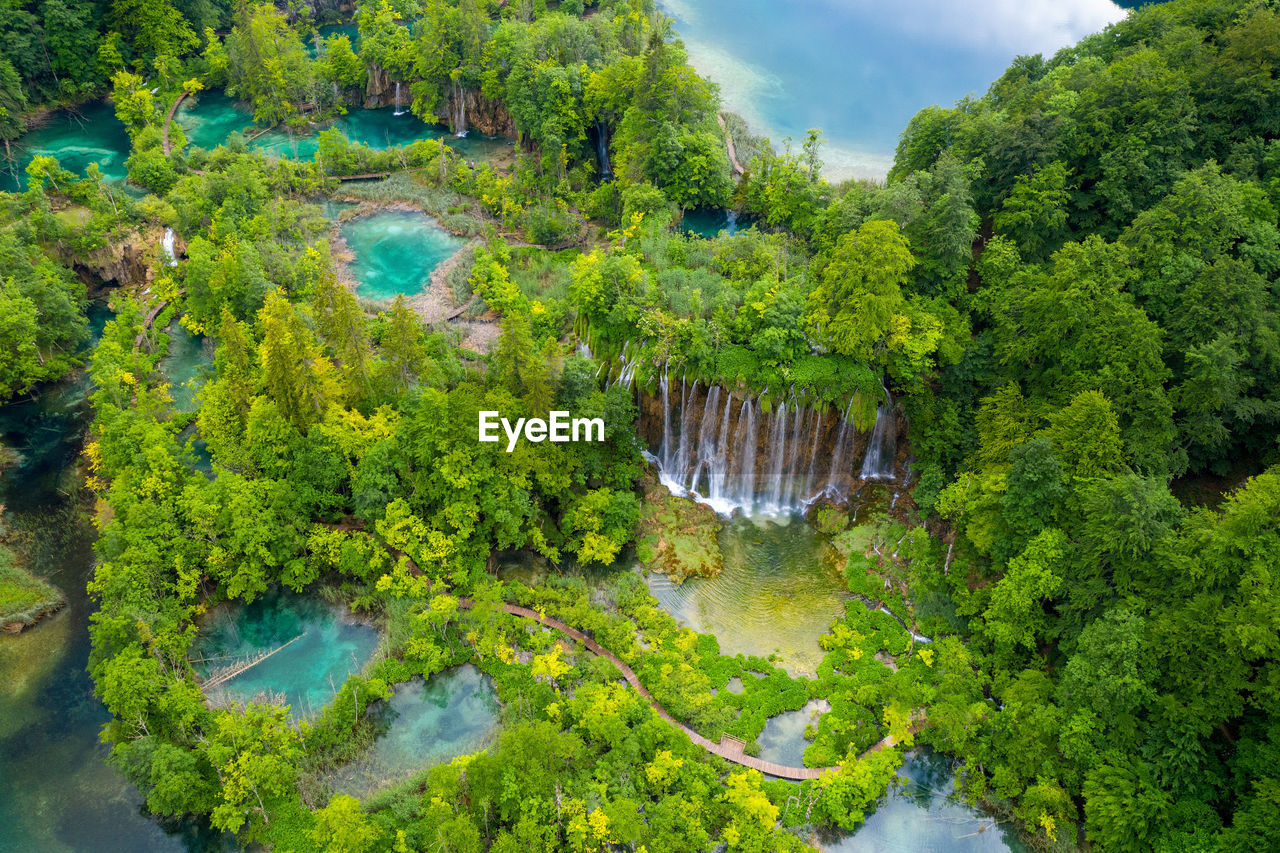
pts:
[677, 536]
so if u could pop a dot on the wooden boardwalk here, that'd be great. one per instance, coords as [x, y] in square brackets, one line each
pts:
[729, 748]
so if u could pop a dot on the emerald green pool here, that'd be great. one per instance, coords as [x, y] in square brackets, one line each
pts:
[322, 645]
[210, 119]
[423, 724]
[88, 134]
[396, 252]
[185, 365]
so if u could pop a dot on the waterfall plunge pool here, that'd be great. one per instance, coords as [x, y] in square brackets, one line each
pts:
[779, 589]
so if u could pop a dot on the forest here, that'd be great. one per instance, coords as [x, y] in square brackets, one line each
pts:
[1069, 286]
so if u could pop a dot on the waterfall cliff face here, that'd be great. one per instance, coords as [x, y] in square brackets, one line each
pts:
[602, 151]
[877, 464]
[729, 453]
[459, 117]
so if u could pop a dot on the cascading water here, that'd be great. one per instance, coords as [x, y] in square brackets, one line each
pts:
[397, 111]
[460, 99]
[167, 245]
[731, 455]
[602, 151]
[878, 462]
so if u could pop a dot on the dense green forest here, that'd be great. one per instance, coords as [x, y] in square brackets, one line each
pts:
[1071, 285]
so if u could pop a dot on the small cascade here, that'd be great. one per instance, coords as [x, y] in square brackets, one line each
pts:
[460, 101]
[336, 96]
[397, 111]
[167, 245]
[879, 461]
[626, 369]
[602, 151]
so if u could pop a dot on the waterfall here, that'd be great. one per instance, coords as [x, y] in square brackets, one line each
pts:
[813, 457]
[747, 460]
[706, 440]
[602, 151]
[832, 488]
[664, 449]
[626, 369]
[460, 99]
[747, 454]
[398, 111]
[778, 449]
[334, 84]
[878, 463]
[720, 461]
[167, 245]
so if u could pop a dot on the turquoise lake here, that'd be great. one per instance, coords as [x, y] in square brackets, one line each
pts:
[89, 134]
[454, 713]
[211, 118]
[319, 646]
[858, 69]
[396, 251]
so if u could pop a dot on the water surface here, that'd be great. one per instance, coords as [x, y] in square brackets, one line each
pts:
[860, 69]
[423, 724]
[782, 740]
[57, 792]
[185, 365]
[324, 646]
[780, 588]
[396, 252]
[925, 815]
[209, 120]
[90, 133]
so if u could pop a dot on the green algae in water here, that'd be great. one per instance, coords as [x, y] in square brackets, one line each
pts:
[423, 724]
[925, 815]
[91, 134]
[185, 366]
[396, 251]
[780, 588]
[324, 646]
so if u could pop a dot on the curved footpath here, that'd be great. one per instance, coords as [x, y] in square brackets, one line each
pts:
[730, 749]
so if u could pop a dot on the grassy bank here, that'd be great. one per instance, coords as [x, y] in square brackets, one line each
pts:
[24, 598]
